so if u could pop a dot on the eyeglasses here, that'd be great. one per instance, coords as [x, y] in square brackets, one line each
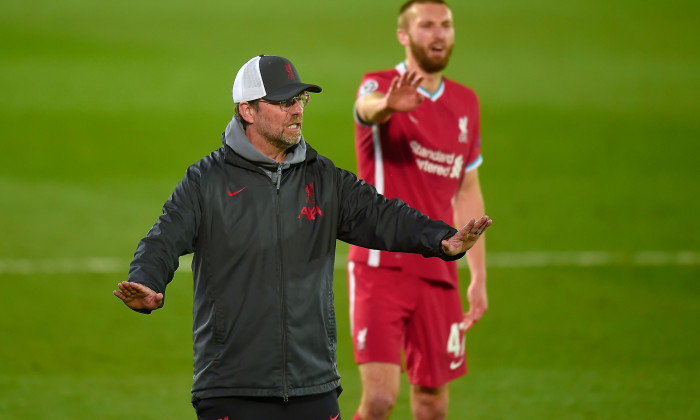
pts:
[302, 100]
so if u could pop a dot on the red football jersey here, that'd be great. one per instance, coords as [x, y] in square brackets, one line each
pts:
[419, 157]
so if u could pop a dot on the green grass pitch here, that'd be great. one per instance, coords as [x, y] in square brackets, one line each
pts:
[589, 125]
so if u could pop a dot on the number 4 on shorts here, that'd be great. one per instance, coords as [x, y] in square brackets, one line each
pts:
[454, 344]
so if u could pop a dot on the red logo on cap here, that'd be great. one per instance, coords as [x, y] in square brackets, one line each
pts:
[290, 75]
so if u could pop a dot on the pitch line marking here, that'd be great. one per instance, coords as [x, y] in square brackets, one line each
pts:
[113, 265]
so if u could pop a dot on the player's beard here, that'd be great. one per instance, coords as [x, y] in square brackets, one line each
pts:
[427, 63]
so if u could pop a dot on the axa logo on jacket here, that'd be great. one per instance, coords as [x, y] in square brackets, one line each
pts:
[311, 210]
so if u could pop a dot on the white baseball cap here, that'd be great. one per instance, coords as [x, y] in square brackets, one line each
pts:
[268, 77]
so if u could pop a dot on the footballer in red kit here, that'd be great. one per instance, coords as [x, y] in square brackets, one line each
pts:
[419, 157]
[418, 139]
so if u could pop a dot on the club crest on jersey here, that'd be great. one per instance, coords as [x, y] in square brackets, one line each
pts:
[368, 87]
[463, 129]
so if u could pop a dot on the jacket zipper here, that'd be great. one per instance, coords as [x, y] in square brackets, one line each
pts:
[279, 176]
[285, 395]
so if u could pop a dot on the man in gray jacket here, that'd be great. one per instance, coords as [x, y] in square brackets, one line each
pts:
[262, 215]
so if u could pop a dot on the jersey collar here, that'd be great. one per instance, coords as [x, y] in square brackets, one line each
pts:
[401, 68]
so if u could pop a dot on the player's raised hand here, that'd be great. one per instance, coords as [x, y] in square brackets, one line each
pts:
[138, 296]
[466, 237]
[403, 95]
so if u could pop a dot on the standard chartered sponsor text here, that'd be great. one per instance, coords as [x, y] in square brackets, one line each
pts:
[437, 162]
[434, 155]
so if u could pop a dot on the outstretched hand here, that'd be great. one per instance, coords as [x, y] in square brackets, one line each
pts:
[138, 296]
[402, 95]
[466, 237]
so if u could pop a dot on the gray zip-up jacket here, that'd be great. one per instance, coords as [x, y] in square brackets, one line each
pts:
[263, 236]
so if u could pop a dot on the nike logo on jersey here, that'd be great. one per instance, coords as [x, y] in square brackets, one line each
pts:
[455, 365]
[336, 417]
[231, 194]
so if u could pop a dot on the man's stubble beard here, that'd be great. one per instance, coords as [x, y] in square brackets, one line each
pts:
[279, 139]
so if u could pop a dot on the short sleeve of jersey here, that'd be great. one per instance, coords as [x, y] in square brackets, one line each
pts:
[374, 82]
[474, 158]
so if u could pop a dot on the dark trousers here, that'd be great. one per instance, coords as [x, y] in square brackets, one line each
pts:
[310, 407]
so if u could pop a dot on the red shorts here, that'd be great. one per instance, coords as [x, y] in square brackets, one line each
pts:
[391, 310]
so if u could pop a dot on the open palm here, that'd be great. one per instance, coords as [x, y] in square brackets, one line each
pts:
[466, 237]
[402, 95]
[138, 296]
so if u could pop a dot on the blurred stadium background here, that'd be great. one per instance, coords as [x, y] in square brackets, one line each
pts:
[589, 118]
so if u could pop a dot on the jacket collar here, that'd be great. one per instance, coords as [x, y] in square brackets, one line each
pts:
[234, 137]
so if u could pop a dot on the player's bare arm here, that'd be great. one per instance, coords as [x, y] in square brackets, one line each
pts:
[469, 202]
[466, 237]
[138, 296]
[402, 96]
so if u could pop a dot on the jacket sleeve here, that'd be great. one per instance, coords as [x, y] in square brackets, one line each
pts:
[157, 255]
[370, 220]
